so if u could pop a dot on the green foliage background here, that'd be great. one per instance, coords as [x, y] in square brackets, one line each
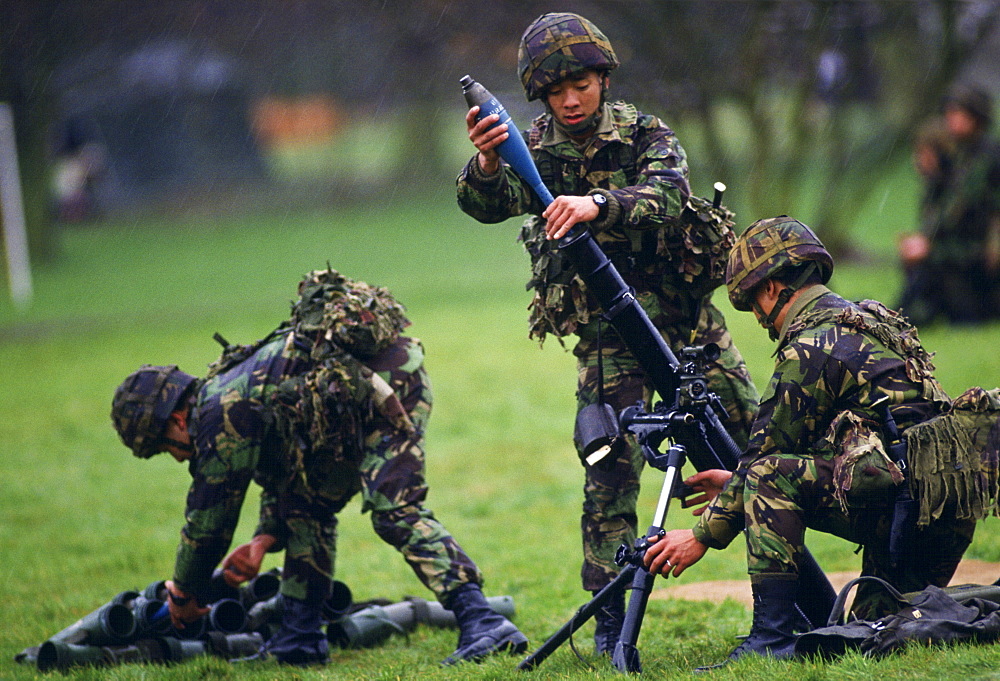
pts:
[81, 520]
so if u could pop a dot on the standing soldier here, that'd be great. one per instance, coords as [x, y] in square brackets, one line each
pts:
[332, 403]
[624, 173]
[851, 381]
[960, 248]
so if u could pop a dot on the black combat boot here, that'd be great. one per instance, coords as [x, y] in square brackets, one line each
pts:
[299, 641]
[609, 621]
[481, 630]
[776, 619]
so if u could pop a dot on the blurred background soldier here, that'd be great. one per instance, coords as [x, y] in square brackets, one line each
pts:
[625, 174]
[332, 403]
[959, 246]
[849, 380]
[933, 155]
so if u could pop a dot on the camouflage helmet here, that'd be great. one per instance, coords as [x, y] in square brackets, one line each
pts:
[766, 247]
[142, 405]
[557, 45]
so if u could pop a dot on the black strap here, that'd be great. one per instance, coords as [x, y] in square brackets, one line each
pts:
[600, 364]
[837, 612]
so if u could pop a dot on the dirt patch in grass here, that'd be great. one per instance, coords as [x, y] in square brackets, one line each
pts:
[969, 572]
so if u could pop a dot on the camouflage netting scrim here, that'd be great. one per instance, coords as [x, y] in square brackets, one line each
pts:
[357, 317]
[954, 458]
[700, 247]
[336, 324]
[693, 250]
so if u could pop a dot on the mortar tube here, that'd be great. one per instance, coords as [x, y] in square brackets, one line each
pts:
[109, 624]
[260, 614]
[62, 655]
[177, 649]
[338, 603]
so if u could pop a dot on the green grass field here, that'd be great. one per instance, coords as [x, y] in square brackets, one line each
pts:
[81, 519]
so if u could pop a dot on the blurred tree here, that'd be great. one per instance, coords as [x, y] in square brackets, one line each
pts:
[776, 98]
[793, 96]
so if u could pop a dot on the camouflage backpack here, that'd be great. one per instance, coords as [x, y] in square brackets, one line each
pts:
[337, 323]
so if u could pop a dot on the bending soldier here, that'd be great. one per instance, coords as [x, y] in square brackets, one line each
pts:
[332, 403]
[850, 380]
[626, 174]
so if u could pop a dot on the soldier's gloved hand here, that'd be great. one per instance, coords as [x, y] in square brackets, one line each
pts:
[243, 563]
[183, 606]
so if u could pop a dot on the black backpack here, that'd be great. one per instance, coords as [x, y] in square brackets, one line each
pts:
[968, 612]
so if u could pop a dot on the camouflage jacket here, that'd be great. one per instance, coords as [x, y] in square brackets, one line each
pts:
[834, 357]
[237, 435]
[636, 161]
[965, 219]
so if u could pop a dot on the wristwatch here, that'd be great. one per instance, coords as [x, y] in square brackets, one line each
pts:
[602, 205]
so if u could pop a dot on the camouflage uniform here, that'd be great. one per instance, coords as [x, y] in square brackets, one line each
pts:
[816, 457]
[968, 227]
[236, 441]
[636, 161]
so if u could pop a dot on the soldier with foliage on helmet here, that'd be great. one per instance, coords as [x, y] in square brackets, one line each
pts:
[624, 174]
[332, 403]
[850, 379]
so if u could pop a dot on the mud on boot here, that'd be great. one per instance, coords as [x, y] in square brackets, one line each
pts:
[481, 630]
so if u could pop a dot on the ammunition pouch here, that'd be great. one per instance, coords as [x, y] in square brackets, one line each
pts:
[864, 475]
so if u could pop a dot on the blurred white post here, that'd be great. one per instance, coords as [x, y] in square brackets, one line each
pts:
[12, 213]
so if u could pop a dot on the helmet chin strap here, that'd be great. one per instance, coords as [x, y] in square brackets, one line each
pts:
[767, 320]
[183, 446]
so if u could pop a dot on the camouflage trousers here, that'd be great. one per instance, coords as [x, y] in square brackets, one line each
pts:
[609, 507]
[786, 493]
[390, 478]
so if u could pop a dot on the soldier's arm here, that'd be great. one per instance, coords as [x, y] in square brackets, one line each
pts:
[661, 187]
[213, 509]
[794, 402]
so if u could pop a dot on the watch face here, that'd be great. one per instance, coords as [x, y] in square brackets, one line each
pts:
[599, 198]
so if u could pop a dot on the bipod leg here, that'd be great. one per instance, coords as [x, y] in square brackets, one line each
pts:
[626, 655]
[585, 612]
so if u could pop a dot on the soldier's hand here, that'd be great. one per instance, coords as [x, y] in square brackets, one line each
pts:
[565, 212]
[710, 483]
[486, 140]
[243, 563]
[673, 553]
[183, 606]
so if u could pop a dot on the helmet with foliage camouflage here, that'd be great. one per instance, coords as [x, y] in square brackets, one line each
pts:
[557, 45]
[766, 247]
[142, 405]
[357, 317]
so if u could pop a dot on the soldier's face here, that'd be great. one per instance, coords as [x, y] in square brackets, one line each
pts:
[178, 432]
[573, 99]
[960, 123]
